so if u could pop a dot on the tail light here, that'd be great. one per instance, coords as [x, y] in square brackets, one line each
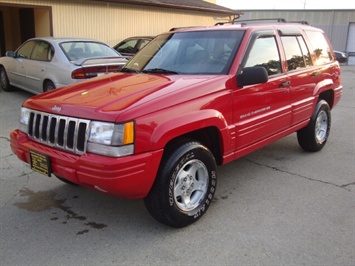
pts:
[91, 72]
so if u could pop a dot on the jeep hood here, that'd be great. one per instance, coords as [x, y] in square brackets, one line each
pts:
[107, 97]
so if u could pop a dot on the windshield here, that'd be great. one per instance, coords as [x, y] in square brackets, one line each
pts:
[85, 49]
[193, 52]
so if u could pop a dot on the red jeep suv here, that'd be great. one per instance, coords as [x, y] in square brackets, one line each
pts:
[191, 99]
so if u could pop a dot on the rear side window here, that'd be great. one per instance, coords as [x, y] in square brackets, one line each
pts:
[265, 53]
[297, 55]
[321, 49]
[43, 51]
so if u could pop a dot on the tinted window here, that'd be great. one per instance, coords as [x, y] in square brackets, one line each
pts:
[265, 53]
[194, 52]
[297, 55]
[305, 51]
[143, 43]
[42, 51]
[128, 47]
[26, 49]
[321, 50]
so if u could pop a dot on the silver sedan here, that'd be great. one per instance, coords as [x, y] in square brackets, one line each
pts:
[43, 64]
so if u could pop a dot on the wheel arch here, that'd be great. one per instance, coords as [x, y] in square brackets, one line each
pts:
[207, 127]
[45, 80]
[328, 96]
[325, 91]
[209, 137]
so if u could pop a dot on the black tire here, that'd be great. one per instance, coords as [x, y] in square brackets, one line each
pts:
[48, 86]
[185, 185]
[4, 80]
[314, 136]
[66, 181]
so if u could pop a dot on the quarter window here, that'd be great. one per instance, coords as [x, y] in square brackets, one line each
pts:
[265, 53]
[321, 50]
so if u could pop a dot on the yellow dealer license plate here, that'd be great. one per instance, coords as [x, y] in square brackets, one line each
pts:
[40, 163]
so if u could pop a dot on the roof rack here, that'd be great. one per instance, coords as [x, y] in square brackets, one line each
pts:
[227, 22]
[250, 21]
[299, 22]
[181, 28]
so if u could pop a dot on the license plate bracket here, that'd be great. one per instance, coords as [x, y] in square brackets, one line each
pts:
[40, 163]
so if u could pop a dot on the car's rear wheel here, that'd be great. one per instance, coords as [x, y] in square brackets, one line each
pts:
[185, 185]
[48, 86]
[4, 80]
[315, 135]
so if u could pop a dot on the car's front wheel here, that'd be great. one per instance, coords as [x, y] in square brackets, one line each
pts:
[4, 80]
[185, 185]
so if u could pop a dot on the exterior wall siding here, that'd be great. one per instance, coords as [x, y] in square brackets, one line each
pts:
[111, 22]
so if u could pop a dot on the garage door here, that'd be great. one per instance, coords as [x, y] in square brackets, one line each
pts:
[350, 45]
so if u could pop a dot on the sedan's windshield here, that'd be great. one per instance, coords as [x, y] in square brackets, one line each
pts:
[84, 49]
[194, 52]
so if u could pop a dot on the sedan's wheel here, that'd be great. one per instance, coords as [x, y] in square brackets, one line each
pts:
[185, 185]
[48, 86]
[4, 81]
[315, 135]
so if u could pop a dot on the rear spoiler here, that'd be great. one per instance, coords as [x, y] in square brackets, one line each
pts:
[106, 60]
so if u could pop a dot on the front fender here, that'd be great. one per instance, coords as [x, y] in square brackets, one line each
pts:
[186, 123]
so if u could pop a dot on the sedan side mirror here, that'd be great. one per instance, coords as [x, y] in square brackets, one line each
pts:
[252, 75]
[10, 54]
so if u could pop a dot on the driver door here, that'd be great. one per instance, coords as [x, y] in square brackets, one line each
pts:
[262, 110]
[17, 73]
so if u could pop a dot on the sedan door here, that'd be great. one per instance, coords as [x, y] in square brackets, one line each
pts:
[17, 68]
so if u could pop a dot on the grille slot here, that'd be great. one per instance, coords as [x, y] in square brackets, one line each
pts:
[63, 132]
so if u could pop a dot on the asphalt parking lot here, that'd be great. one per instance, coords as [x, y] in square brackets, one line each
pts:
[276, 206]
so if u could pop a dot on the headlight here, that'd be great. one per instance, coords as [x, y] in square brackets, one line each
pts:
[111, 139]
[24, 119]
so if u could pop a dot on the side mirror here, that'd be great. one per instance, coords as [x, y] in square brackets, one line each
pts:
[10, 54]
[251, 76]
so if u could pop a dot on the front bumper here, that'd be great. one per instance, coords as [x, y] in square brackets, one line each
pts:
[128, 177]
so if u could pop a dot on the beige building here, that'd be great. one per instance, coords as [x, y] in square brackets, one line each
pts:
[107, 20]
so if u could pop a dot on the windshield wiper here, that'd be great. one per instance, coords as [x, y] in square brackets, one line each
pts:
[159, 71]
[129, 70]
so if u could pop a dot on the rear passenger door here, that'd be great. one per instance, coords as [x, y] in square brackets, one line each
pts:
[36, 68]
[303, 78]
[262, 110]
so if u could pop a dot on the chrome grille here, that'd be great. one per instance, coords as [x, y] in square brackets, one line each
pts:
[58, 131]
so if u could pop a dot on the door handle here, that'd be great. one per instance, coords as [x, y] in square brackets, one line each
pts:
[314, 74]
[285, 84]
